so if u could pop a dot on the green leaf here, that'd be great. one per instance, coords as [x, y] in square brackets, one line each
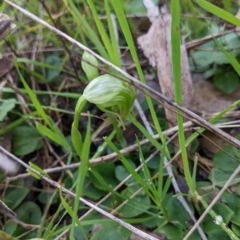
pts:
[76, 140]
[121, 173]
[118, 7]
[236, 229]
[15, 197]
[176, 211]
[202, 59]
[55, 136]
[219, 177]
[56, 62]
[26, 140]
[29, 212]
[176, 70]
[135, 7]
[92, 192]
[232, 201]
[70, 211]
[129, 167]
[154, 163]
[225, 212]
[210, 227]
[194, 236]
[223, 160]
[173, 231]
[230, 56]
[115, 54]
[153, 222]
[34, 100]
[136, 205]
[6, 106]
[85, 27]
[10, 227]
[227, 82]
[218, 235]
[216, 11]
[107, 172]
[83, 168]
[76, 136]
[102, 30]
[45, 197]
[38, 169]
[236, 217]
[111, 231]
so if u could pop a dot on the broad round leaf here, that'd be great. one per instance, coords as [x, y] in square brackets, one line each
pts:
[226, 81]
[6, 106]
[92, 192]
[45, 197]
[55, 62]
[219, 177]
[25, 140]
[176, 211]
[225, 212]
[29, 212]
[106, 171]
[10, 227]
[111, 231]
[172, 231]
[14, 198]
[224, 161]
[135, 206]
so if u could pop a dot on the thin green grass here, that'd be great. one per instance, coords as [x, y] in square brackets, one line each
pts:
[176, 65]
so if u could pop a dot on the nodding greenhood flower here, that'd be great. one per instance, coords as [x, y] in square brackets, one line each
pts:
[90, 66]
[111, 95]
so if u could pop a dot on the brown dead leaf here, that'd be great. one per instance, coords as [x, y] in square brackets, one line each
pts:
[6, 26]
[6, 65]
[5, 236]
[156, 45]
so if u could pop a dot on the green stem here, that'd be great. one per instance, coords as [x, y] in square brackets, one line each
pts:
[76, 136]
[77, 143]
[176, 66]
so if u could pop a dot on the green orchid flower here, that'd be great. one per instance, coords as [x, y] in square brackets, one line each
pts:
[110, 94]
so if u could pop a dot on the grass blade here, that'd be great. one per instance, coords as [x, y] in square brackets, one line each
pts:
[209, 7]
[176, 65]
